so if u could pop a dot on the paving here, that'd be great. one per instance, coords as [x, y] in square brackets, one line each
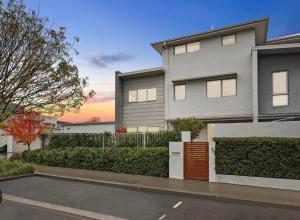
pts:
[131, 203]
[186, 187]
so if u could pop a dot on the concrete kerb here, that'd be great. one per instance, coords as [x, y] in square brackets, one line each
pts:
[202, 195]
[16, 177]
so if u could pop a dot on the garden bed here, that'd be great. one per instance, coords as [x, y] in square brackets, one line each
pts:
[14, 168]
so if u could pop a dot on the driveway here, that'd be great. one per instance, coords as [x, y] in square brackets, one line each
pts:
[130, 204]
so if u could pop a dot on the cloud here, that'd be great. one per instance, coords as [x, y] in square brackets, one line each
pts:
[104, 60]
[102, 98]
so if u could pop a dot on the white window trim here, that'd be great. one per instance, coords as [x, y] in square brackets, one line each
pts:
[184, 45]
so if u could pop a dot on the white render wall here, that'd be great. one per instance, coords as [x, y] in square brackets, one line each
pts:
[88, 128]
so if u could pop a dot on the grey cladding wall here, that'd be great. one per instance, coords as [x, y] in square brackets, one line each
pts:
[267, 64]
[212, 59]
[150, 113]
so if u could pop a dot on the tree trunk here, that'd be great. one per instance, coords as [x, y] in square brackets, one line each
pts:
[28, 145]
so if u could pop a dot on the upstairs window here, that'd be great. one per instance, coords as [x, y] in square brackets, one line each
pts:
[132, 96]
[180, 49]
[152, 94]
[213, 89]
[228, 40]
[219, 88]
[192, 47]
[228, 87]
[142, 95]
[280, 88]
[179, 91]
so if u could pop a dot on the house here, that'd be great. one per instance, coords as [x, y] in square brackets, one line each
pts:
[86, 127]
[231, 74]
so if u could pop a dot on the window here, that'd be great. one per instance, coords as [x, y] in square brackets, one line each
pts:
[142, 129]
[213, 89]
[132, 96]
[132, 129]
[280, 88]
[192, 47]
[228, 87]
[179, 91]
[228, 40]
[218, 88]
[180, 49]
[152, 94]
[153, 129]
[142, 95]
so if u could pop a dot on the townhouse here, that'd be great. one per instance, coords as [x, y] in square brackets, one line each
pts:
[231, 74]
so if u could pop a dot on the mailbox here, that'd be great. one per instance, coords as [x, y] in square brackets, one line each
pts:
[176, 160]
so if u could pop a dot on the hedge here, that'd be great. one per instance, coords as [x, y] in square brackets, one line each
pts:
[141, 161]
[109, 140]
[13, 168]
[258, 156]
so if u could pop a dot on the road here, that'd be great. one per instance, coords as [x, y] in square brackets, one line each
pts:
[126, 203]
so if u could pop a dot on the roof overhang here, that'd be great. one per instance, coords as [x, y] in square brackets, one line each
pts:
[206, 77]
[290, 39]
[141, 73]
[260, 26]
[278, 48]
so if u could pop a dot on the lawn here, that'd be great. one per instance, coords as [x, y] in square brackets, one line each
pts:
[14, 168]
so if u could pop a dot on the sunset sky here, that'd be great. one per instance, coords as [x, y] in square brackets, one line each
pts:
[116, 34]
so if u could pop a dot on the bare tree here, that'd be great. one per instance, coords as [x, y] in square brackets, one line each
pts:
[36, 64]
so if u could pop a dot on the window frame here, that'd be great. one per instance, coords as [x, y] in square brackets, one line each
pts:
[148, 100]
[146, 95]
[280, 94]
[222, 40]
[181, 84]
[198, 42]
[221, 88]
[182, 45]
[136, 93]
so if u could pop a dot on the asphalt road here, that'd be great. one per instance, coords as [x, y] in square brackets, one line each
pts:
[131, 204]
[14, 211]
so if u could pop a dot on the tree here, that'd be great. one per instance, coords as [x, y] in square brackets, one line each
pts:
[36, 65]
[94, 120]
[25, 127]
[188, 124]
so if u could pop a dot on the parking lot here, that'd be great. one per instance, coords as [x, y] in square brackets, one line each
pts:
[126, 203]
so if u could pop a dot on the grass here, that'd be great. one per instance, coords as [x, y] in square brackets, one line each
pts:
[14, 168]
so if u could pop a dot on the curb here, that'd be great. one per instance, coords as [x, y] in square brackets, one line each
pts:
[144, 188]
[61, 209]
[16, 177]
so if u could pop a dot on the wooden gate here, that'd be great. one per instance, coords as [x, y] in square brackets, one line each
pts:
[196, 160]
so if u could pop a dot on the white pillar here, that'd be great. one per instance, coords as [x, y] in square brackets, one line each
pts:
[212, 162]
[9, 142]
[176, 160]
[255, 85]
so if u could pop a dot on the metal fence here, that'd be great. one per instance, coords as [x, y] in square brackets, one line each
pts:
[104, 140]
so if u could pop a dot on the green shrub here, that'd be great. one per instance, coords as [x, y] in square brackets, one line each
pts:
[188, 124]
[13, 168]
[15, 156]
[258, 156]
[141, 161]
